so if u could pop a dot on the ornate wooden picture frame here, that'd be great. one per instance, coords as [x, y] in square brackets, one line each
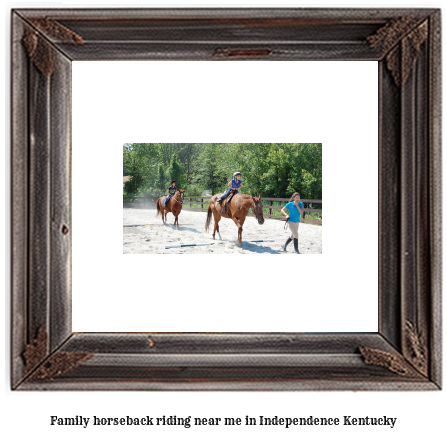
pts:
[405, 353]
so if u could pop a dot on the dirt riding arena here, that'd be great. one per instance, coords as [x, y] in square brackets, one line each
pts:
[150, 236]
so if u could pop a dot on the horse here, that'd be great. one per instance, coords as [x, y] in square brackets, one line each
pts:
[174, 206]
[236, 210]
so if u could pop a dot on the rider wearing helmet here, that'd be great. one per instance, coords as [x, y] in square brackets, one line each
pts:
[233, 186]
[171, 192]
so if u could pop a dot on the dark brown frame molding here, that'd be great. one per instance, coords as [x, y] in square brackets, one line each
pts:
[405, 354]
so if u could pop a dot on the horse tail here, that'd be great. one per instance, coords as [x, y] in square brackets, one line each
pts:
[208, 218]
[158, 206]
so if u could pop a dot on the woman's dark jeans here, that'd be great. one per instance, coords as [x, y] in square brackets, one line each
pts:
[225, 195]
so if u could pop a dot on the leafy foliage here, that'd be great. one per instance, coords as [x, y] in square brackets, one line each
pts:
[276, 170]
[176, 172]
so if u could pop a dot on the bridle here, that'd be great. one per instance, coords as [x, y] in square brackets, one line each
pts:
[254, 209]
[181, 200]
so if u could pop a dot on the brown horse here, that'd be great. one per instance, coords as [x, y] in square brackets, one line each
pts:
[174, 206]
[237, 210]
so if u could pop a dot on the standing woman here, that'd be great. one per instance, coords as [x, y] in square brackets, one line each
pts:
[171, 192]
[296, 209]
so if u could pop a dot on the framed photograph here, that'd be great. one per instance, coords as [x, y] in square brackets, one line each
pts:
[50, 352]
[171, 185]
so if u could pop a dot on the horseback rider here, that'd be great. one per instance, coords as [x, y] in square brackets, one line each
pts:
[171, 192]
[233, 186]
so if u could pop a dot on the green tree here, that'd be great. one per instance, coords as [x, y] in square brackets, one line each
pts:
[165, 150]
[274, 180]
[274, 169]
[306, 171]
[133, 166]
[211, 172]
[176, 172]
[140, 162]
[162, 180]
[188, 155]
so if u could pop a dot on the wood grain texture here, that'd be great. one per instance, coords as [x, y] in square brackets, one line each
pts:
[389, 207]
[394, 362]
[19, 201]
[56, 30]
[58, 364]
[39, 200]
[415, 248]
[60, 201]
[39, 51]
[36, 351]
[290, 34]
[435, 195]
[346, 15]
[405, 354]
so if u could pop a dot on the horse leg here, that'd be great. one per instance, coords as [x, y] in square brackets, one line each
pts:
[176, 222]
[216, 224]
[239, 231]
[241, 223]
[162, 211]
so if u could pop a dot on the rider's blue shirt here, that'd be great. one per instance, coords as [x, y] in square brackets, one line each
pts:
[295, 215]
[235, 185]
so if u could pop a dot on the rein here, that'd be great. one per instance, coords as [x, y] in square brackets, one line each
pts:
[254, 209]
[176, 200]
[180, 202]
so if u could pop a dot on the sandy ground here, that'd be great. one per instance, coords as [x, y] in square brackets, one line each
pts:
[150, 236]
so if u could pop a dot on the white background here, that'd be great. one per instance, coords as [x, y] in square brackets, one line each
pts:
[289, 102]
[419, 414]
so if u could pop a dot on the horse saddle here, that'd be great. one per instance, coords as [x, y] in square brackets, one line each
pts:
[227, 201]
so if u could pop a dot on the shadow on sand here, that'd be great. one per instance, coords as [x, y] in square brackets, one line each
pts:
[255, 248]
[182, 228]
